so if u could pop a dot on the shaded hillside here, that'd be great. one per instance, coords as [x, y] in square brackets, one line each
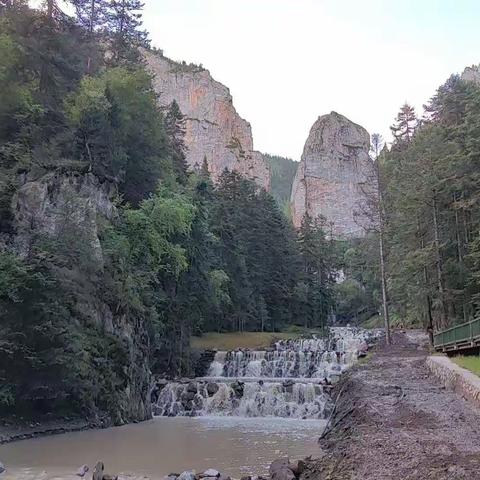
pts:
[282, 173]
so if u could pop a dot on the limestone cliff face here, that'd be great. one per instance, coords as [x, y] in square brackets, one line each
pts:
[334, 166]
[214, 130]
[49, 205]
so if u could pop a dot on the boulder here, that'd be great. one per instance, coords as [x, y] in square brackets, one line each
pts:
[298, 467]
[212, 388]
[82, 470]
[2, 468]
[187, 475]
[280, 469]
[211, 472]
[98, 471]
[192, 387]
[188, 396]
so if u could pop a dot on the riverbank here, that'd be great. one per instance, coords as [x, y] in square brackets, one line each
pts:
[393, 420]
[14, 429]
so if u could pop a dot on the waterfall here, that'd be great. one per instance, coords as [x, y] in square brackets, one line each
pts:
[290, 379]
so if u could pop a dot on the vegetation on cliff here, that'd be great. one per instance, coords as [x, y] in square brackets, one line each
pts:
[282, 173]
[91, 304]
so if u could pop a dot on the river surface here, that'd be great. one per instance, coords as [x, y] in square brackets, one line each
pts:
[234, 446]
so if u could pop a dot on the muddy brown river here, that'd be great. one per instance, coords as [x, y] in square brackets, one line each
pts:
[234, 446]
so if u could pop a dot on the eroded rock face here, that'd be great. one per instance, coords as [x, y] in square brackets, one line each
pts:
[334, 172]
[54, 202]
[214, 130]
[64, 206]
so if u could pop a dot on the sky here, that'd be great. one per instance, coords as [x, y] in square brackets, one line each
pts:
[288, 61]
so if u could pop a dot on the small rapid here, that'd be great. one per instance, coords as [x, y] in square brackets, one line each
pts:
[292, 379]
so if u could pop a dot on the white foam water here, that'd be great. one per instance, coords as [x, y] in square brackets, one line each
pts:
[292, 379]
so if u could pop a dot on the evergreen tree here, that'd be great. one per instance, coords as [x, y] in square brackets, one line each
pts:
[405, 124]
[91, 14]
[124, 19]
[175, 128]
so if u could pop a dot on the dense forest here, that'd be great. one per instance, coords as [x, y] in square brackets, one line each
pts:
[282, 173]
[127, 253]
[427, 213]
[429, 180]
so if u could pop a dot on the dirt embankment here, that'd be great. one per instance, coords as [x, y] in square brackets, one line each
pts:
[394, 421]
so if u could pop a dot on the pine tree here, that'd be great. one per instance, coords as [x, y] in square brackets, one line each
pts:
[91, 14]
[406, 122]
[175, 127]
[124, 19]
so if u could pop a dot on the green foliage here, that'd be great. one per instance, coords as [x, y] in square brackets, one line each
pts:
[432, 216]
[119, 131]
[282, 173]
[314, 291]
[91, 302]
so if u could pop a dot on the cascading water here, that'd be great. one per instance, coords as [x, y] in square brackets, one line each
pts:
[291, 379]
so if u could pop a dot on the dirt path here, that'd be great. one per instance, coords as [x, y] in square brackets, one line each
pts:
[394, 421]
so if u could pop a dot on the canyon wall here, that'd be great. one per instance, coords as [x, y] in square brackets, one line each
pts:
[334, 173]
[215, 132]
[67, 211]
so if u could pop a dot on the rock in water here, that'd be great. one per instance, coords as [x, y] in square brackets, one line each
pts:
[98, 471]
[82, 470]
[210, 473]
[2, 468]
[280, 469]
[213, 129]
[334, 173]
[187, 475]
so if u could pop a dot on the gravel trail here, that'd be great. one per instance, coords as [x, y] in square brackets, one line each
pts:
[394, 421]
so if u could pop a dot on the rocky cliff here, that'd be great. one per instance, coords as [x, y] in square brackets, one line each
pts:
[332, 175]
[67, 210]
[214, 130]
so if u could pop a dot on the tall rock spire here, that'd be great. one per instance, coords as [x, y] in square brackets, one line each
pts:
[334, 173]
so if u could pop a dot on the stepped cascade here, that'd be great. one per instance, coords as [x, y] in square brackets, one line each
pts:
[291, 379]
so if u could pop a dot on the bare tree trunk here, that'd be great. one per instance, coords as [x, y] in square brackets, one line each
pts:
[386, 315]
[381, 211]
[441, 288]
[428, 300]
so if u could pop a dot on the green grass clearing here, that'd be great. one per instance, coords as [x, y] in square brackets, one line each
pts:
[471, 363]
[233, 340]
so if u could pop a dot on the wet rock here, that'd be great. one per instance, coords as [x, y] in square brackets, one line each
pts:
[106, 476]
[298, 467]
[334, 378]
[98, 471]
[237, 388]
[187, 475]
[280, 469]
[211, 472]
[170, 476]
[82, 470]
[212, 388]
[192, 387]
[2, 468]
[188, 396]
[288, 386]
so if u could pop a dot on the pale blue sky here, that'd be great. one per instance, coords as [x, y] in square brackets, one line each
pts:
[288, 61]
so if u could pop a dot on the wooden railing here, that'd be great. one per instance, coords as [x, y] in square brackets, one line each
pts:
[459, 337]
